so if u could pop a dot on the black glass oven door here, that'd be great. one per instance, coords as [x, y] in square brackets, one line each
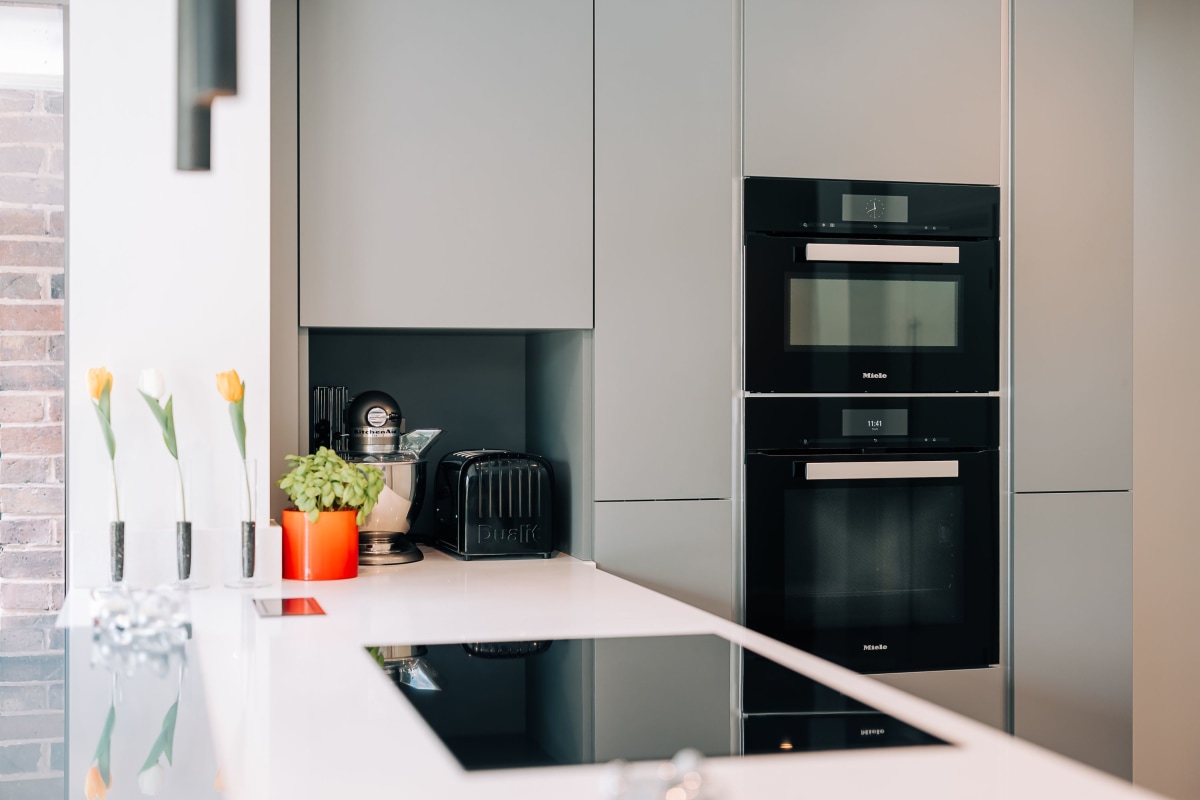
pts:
[880, 316]
[881, 563]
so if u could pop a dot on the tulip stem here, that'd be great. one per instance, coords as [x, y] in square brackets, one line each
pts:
[182, 496]
[249, 501]
[116, 493]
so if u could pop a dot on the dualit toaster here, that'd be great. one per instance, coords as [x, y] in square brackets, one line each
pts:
[495, 503]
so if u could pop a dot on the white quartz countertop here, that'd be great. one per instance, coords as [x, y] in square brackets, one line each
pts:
[298, 709]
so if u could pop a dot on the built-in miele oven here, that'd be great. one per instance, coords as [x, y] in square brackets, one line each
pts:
[872, 529]
[855, 286]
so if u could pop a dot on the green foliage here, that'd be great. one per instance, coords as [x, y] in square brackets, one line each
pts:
[324, 482]
[166, 420]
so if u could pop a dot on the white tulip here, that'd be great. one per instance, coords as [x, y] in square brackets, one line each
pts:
[150, 780]
[151, 382]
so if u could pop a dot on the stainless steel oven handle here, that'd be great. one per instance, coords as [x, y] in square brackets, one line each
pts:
[882, 253]
[863, 470]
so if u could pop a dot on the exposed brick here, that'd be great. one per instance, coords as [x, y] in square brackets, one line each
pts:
[21, 640]
[58, 530]
[53, 102]
[12, 100]
[58, 593]
[35, 788]
[56, 348]
[23, 348]
[23, 253]
[57, 756]
[22, 221]
[47, 129]
[30, 501]
[19, 758]
[22, 698]
[25, 470]
[56, 226]
[58, 285]
[27, 377]
[24, 531]
[45, 190]
[54, 409]
[19, 158]
[20, 408]
[31, 596]
[56, 162]
[20, 285]
[32, 440]
[58, 472]
[54, 636]
[56, 694]
[31, 317]
[40, 621]
[44, 725]
[31, 564]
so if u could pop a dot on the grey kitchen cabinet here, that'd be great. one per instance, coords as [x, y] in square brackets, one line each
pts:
[446, 164]
[1073, 625]
[871, 90]
[1073, 245]
[665, 241]
[681, 548]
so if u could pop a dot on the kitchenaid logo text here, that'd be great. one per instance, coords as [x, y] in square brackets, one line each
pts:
[874, 647]
[522, 534]
[875, 375]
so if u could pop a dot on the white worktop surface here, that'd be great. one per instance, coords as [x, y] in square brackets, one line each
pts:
[299, 709]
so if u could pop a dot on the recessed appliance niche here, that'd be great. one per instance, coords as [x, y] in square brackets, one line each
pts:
[484, 389]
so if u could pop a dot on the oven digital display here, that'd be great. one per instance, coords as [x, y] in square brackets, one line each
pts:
[874, 208]
[874, 422]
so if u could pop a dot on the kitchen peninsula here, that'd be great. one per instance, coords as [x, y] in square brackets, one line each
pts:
[297, 708]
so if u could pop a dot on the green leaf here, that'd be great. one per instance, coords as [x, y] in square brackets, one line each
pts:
[314, 515]
[169, 431]
[106, 428]
[103, 746]
[106, 401]
[237, 416]
[165, 743]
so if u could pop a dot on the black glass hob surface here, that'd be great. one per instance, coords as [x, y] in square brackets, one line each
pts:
[500, 705]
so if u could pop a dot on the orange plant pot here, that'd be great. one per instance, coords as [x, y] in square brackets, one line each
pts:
[325, 550]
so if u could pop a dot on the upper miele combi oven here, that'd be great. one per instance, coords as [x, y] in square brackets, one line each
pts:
[856, 286]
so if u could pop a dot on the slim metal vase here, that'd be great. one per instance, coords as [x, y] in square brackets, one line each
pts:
[116, 551]
[247, 550]
[183, 549]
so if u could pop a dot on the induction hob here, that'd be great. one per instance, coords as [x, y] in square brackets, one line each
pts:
[498, 705]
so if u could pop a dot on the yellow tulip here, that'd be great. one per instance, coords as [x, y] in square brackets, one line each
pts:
[93, 784]
[230, 385]
[98, 379]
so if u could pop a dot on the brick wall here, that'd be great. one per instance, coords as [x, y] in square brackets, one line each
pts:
[32, 349]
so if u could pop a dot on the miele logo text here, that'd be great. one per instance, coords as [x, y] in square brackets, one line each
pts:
[875, 375]
[874, 647]
[871, 732]
[523, 534]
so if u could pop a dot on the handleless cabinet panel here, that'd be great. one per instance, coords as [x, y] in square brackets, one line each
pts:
[680, 548]
[870, 90]
[1073, 625]
[1073, 245]
[446, 164]
[665, 179]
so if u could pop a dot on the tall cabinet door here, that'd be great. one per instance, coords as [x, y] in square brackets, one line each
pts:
[1073, 245]
[665, 181]
[1073, 625]
[871, 90]
[446, 163]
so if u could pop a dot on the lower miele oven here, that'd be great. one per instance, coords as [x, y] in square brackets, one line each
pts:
[872, 529]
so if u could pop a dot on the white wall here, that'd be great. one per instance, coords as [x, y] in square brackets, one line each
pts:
[165, 269]
[1166, 557]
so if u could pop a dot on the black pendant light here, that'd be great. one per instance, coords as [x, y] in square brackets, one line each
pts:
[207, 70]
